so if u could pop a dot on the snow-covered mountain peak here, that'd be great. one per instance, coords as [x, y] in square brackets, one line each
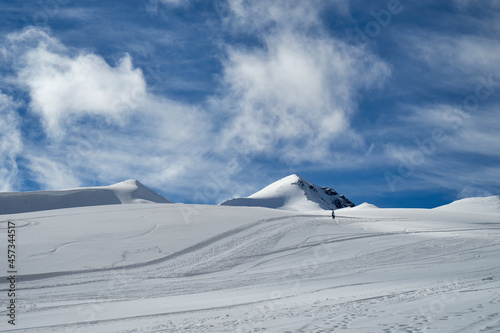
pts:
[278, 186]
[293, 193]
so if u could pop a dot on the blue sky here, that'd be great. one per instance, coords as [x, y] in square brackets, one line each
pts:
[391, 102]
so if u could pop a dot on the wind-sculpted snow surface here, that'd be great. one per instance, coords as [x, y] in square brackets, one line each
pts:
[195, 268]
[129, 191]
[293, 193]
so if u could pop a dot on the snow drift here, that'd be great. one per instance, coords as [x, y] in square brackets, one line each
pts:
[129, 191]
[293, 193]
[476, 204]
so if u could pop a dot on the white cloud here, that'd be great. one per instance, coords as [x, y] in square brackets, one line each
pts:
[164, 141]
[278, 14]
[293, 97]
[62, 85]
[466, 132]
[296, 93]
[466, 66]
[465, 4]
[101, 122]
[10, 143]
[465, 53]
[443, 146]
[163, 145]
[455, 60]
[174, 2]
[50, 173]
[153, 6]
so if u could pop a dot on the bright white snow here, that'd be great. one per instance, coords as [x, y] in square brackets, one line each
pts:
[194, 268]
[129, 191]
[479, 204]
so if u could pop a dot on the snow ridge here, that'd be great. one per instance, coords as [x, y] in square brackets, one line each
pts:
[129, 191]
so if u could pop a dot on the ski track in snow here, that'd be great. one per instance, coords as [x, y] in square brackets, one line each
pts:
[261, 271]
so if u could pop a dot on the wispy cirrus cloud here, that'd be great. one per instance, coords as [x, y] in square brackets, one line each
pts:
[294, 94]
[465, 4]
[462, 57]
[51, 171]
[446, 135]
[456, 56]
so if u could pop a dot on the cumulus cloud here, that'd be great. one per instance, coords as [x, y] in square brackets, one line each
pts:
[294, 94]
[10, 143]
[63, 85]
[102, 123]
[297, 92]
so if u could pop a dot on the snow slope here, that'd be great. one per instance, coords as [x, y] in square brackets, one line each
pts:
[194, 268]
[293, 193]
[129, 191]
[477, 204]
[364, 205]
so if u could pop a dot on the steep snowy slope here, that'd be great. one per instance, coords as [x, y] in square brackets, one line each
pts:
[129, 191]
[478, 204]
[293, 193]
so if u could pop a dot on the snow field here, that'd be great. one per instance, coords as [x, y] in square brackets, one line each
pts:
[188, 268]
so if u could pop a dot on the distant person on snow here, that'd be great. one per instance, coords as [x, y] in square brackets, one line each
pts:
[333, 214]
